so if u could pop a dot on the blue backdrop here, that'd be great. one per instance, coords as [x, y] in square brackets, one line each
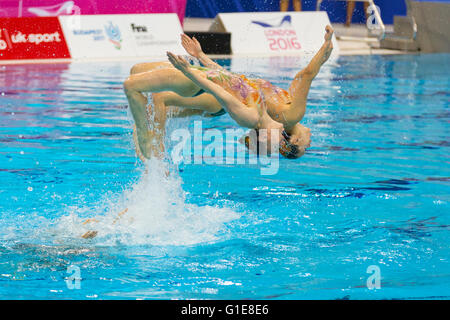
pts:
[336, 9]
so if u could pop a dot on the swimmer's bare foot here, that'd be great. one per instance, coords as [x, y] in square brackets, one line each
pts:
[329, 33]
[328, 45]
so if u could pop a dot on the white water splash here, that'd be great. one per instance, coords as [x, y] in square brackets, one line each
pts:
[157, 215]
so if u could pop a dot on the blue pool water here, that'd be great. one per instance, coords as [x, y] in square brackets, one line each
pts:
[373, 190]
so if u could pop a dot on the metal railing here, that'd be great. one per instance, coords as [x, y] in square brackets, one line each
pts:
[376, 13]
[413, 20]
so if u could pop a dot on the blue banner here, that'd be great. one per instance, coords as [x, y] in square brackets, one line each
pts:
[335, 9]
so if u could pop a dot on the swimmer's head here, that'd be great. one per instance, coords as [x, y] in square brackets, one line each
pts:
[293, 146]
[289, 150]
[289, 146]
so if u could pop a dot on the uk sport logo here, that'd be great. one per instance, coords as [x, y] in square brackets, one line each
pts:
[35, 38]
[32, 38]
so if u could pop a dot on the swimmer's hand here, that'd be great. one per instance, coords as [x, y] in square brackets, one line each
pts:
[192, 46]
[178, 62]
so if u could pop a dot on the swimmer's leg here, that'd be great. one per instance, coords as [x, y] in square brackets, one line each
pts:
[149, 66]
[301, 84]
[157, 128]
[204, 102]
[158, 80]
[160, 109]
[153, 81]
[138, 103]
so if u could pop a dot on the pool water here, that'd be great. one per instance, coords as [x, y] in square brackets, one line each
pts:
[373, 191]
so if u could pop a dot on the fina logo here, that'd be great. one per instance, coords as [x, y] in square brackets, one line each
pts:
[285, 22]
[113, 33]
[136, 28]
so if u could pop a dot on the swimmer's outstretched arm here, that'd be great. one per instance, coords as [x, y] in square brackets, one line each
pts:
[244, 116]
[193, 47]
[301, 84]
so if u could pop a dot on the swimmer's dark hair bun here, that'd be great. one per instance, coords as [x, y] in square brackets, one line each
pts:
[290, 151]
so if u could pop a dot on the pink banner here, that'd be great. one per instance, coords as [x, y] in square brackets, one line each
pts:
[46, 8]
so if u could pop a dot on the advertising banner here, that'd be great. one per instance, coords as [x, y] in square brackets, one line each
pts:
[97, 36]
[32, 38]
[274, 33]
[47, 8]
[154, 34]
[100, 36]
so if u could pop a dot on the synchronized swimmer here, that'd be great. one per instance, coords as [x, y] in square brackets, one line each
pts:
[252, 103]
[212, 90]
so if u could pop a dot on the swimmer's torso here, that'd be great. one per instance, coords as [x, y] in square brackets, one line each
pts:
[239, 86]
[277, 100]
[250, 91]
